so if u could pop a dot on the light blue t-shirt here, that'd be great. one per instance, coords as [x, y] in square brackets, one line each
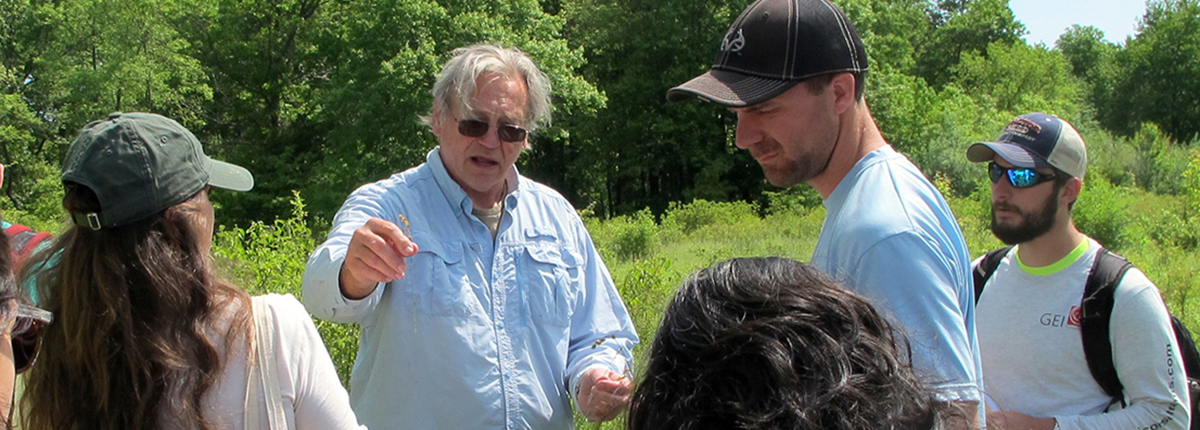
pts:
[889, 235]
[479, 334]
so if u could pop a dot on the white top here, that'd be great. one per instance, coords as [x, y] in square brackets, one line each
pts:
[1033, 362]
[312, 394]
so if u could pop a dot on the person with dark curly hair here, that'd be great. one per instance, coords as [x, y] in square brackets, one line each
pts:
[773, 343]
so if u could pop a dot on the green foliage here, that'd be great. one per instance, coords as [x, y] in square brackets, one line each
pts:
[1086, 50]
[1160, 164]
[1111, 157]
[687, 218]
[642, 151]
[974, 214]
[1161, 73]
[1179, 226]
[798, 199]
[1015, 78]
[964, 27]
[31, 185]
[1191, 187]
[269, 258]
[956, 121]
[633, 236]
[1102, 212]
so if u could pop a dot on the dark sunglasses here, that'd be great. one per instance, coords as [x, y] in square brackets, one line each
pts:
[1019, 177]
[506, 132]
[27, 335]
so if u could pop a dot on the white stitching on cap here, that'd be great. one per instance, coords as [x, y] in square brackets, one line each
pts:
[845, 33]
[734, 45]
[788, 58]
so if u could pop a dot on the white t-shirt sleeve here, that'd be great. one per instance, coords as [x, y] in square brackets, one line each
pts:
[307, 375]
[1147, 359]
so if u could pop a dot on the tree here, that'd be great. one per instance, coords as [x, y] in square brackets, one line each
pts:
[1016, 79]
[1085, 49]
[388, 53]
[961, 27]
[1160, 82]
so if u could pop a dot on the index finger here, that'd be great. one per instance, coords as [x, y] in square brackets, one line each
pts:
[393, 235]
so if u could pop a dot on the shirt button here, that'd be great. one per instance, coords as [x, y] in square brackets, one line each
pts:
[501, 324]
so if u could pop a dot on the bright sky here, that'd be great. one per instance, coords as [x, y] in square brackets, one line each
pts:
[1047, 19]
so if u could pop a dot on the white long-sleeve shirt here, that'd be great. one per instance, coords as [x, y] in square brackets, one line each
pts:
[1033, 361]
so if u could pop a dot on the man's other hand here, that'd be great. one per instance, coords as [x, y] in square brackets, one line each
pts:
[1013, 420]
[603, 394]
[376, 254]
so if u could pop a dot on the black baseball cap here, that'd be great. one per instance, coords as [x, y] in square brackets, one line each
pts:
[1036, 140]
[772, 46]
[140, 164]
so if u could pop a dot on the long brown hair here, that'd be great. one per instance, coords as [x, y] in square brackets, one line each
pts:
[128, 347]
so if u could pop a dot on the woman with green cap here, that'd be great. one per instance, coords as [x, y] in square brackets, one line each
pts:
[146, 335]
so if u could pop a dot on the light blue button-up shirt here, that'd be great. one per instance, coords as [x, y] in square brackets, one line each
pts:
[479, 334]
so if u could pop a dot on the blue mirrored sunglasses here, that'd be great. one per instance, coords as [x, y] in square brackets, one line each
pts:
[1019, 177]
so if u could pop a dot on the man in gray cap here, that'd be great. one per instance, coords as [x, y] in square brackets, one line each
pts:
[792, 71]
[1037, 336]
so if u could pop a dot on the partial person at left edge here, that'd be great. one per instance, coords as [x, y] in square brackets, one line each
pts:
[482, 299]
[23, 241]
[21, 323]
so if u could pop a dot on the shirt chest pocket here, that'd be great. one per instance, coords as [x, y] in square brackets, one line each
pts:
[436, 282]
[549, 276]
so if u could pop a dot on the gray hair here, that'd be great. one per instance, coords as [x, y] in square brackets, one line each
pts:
[456, 84]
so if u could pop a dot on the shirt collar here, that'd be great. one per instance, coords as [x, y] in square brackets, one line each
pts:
[838, 197]
[454, 193]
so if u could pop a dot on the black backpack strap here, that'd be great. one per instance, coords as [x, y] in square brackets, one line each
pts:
[1096, 310]
[987, 266]
[1187, 348]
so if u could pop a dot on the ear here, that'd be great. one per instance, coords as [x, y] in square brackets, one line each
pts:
[842, 86]
[436, 118]
[1070, 191]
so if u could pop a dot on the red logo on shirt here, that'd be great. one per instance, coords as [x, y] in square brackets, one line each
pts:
[1075, 317]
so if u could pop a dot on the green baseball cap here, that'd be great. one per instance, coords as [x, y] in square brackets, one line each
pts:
[140, 164]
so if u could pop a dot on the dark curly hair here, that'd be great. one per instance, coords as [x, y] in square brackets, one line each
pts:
[772, 343]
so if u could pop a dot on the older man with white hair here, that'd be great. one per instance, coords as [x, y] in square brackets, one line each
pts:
[482, 299]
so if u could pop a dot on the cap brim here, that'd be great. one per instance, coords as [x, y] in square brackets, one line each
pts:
[1014, 154]
[230, 176]
[730, 89]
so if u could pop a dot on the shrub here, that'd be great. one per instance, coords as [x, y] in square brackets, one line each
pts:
[1102, 212]
[1160, 164]
[687, 218]
[270, 258]
[799, 199]
[633, 236]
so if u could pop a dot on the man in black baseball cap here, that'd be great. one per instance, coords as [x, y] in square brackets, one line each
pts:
[792, 71]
